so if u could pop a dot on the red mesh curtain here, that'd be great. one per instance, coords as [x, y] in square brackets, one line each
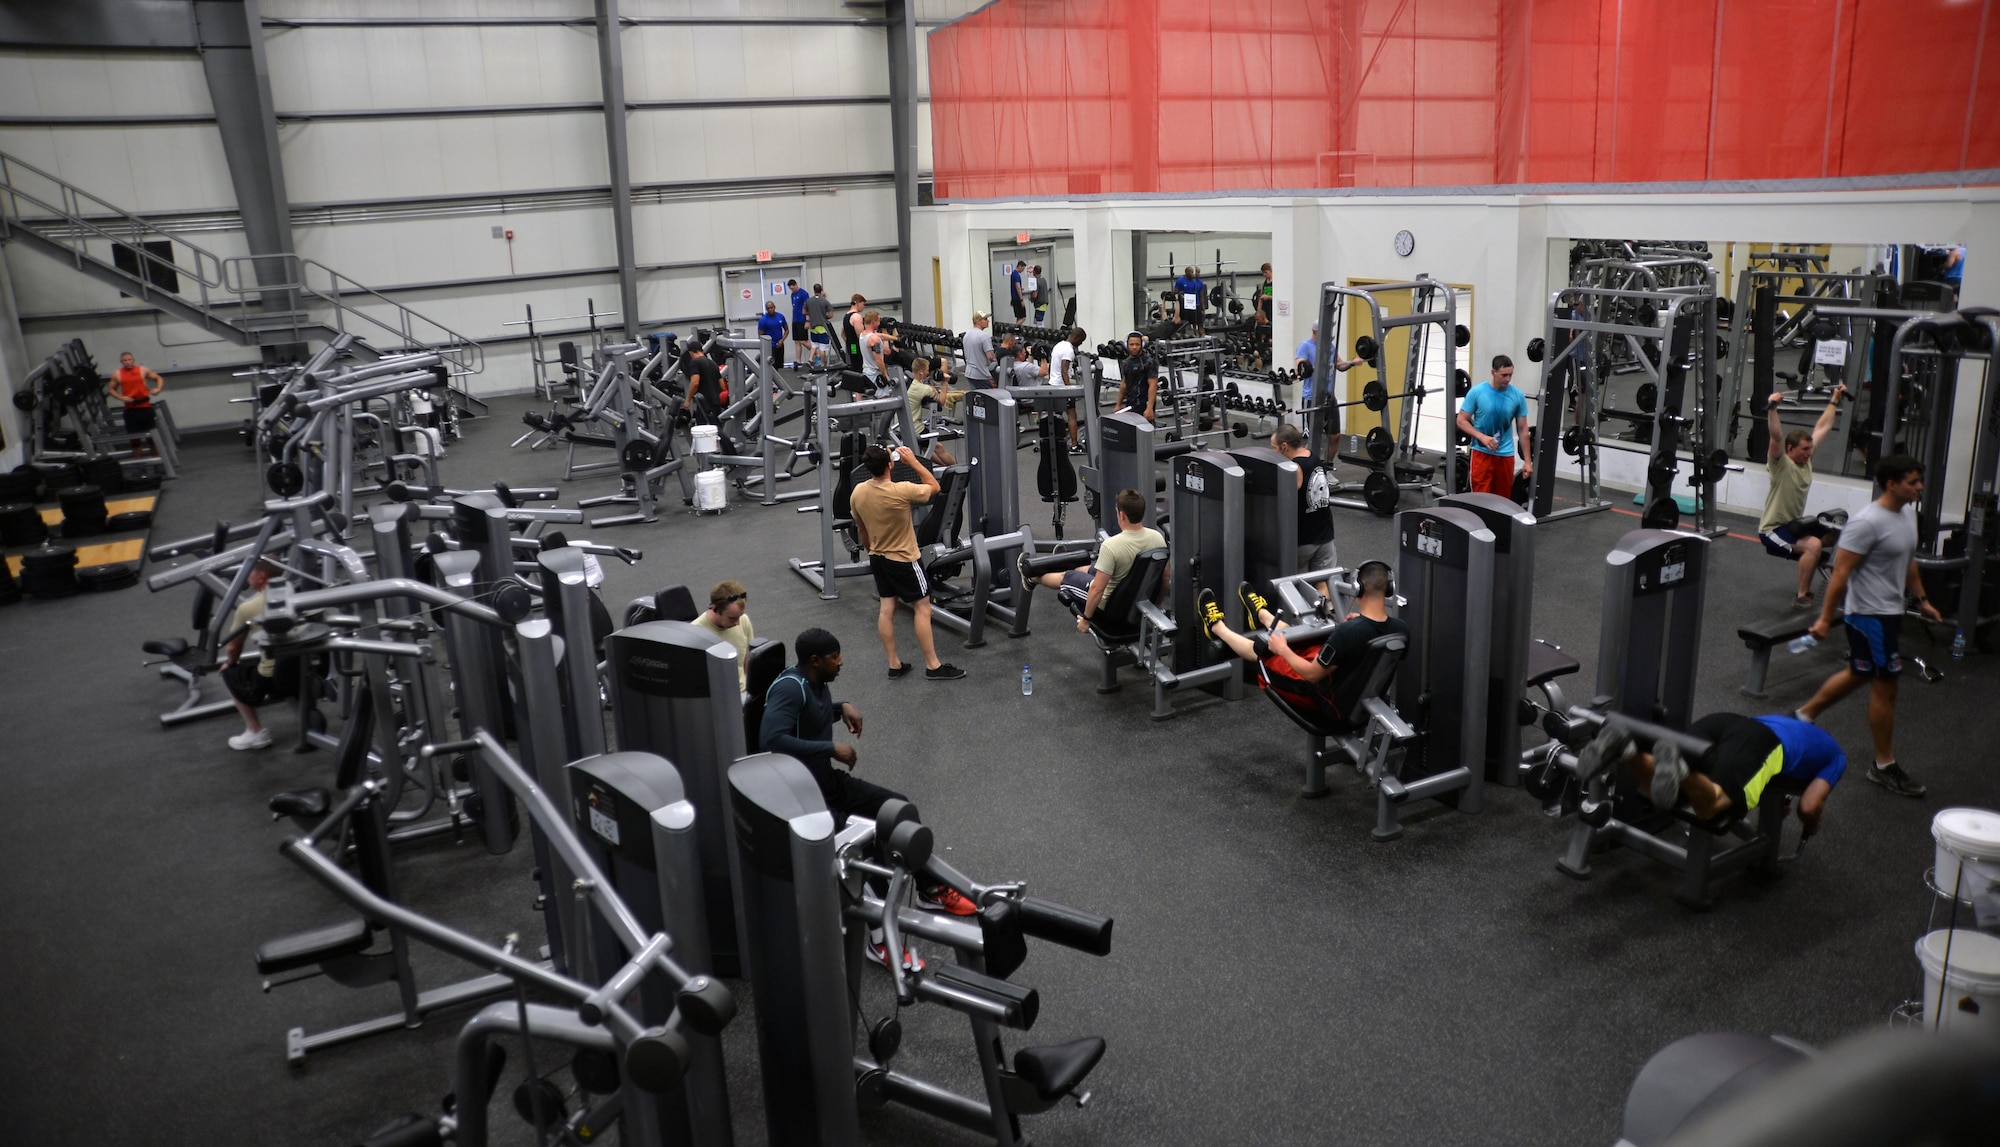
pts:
[1043, 97]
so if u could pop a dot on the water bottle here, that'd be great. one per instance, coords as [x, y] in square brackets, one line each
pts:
[1802, 643]
[1958, 645]
[1027, 682]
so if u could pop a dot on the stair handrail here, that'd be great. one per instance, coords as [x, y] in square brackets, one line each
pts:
[209, 269]
[296, 272]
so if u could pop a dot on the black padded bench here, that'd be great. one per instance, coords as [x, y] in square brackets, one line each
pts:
[1760, 636]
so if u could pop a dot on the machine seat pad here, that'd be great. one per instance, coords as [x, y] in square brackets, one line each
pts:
[1546, 663]
[304, 949]
[169, 647]
[592, 440]
[1056, 1070]
[1773, 630]
[306, 804]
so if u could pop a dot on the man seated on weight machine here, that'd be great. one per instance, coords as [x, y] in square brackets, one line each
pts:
[1752, 754]
[1086, 587]
[799, 713]
[1322, 675]
[1784, 529]
[921, 391]
[266, 681]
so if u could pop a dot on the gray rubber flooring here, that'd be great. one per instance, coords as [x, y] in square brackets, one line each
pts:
[1277, 977]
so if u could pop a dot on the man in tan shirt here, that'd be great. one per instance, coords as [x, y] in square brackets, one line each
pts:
[881, 511]
[727, 617]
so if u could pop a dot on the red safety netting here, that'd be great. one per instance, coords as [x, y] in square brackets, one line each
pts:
[1043, 97]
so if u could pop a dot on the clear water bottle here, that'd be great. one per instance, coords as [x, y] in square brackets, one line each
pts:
[1027, 682]
[1958, 645]
[1801, 643]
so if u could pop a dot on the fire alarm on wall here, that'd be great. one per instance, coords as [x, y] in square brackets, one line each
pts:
[510, 233]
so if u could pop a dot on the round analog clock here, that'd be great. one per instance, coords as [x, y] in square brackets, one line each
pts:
[1405, 243]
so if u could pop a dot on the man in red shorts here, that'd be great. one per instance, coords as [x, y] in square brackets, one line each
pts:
[1325, 678]
[1490, 416]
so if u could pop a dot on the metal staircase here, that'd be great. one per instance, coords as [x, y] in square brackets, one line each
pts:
[251, 300]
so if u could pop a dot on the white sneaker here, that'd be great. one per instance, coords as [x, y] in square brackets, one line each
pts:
[261, 739]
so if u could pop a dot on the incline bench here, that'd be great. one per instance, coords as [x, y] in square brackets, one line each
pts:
[1761, 636]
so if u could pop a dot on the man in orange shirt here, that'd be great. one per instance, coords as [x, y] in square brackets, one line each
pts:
[136, 386]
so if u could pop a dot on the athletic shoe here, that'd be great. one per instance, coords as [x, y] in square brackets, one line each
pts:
[945, 898]
[1669, 770]
[896, 671]
[1606, 749]
[879, 952]
[1803, 601]
[1892, 777]
[1207, 612]
[1800, 714]
[1021, 568]
[944, 672]
[1253, 604]
[261, 739]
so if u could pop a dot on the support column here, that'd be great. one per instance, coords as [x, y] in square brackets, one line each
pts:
[14, 367]
[902, 20]
[611, 72]
[230, 37]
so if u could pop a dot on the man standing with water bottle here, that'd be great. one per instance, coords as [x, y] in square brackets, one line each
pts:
[1875, 570]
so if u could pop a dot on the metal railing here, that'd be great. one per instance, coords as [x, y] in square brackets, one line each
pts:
[246, 298]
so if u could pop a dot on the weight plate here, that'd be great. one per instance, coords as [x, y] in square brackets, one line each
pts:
[25, 400]
[1365, 348]
[1661, 513]
[1375, 396]
[1537, 350]
[637, 455]
[1647, 396]
[285, 479]
[1380, 444]
[1462, 382]
[1380, 492]
[1461, 335]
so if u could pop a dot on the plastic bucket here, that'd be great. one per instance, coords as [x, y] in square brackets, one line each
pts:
[711, 496]
[707, 439]
[1970, 986]
[1964, 834]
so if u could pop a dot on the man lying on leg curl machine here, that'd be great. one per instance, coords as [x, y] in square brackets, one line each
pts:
[1752, 756]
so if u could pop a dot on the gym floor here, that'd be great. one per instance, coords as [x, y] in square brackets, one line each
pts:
[1276, 976]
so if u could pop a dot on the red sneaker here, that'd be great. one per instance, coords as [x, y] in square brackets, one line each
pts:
[945, 898]
[911, 961]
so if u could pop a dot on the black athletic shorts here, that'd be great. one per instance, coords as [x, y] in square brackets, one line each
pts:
[901, 580]
[1744, 747]
[139, 419]
[1075, 589]
[1020, 310]
[801, 331]
[253, 688]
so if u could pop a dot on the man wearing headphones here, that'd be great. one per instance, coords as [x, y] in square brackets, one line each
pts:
[1323, 677]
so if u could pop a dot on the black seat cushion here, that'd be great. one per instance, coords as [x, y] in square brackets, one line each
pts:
[675, 603]
[1546, 663]
[1117, 619]
[167, 647]
[1056, 1070]
[305, 949]
[305, 804]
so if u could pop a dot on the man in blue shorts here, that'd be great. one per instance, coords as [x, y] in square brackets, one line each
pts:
[1875, 571]
[1754, 757]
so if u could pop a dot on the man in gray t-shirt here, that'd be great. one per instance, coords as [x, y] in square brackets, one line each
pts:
[819, 324]
[1875, 570]
[978, 348]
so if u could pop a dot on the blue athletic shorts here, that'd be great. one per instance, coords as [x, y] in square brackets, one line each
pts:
[1872, 642]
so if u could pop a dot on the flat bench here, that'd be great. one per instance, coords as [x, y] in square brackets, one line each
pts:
[1760, 636]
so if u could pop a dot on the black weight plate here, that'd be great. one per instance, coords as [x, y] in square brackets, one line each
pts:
[1365, 348]
[638, 455]
[107, 577]
[285, 479]
[1537, 350]
[1462, 382]
[1380, 492]
[1461, 335]
[24, 400]
[1647, 396]
[512, 601]
[1379, 443]
[129, 521]
[1375, 396]
[1660, 514]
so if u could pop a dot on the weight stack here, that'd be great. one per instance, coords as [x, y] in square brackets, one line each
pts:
[49, 572]
[21, 525]
[83, 511]
[104, 472]
[21, 484]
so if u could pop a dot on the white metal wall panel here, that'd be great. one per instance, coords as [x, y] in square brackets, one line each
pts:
[389, 252]
[758, 143]
[388, 159]
[404, 9]
[334, 68]
[155, 168]
[67, 83]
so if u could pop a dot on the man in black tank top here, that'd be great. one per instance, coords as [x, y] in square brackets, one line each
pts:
[1316, 484]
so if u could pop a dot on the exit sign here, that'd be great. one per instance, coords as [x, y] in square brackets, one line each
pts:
[763, 256]
[1023, 237]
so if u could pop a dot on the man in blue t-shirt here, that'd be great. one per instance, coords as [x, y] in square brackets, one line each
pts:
[801, 336]
[771, 325]
[1306, 361]
[1490, 416]
[1191, 298]
[1753, 758]
[1014, 298]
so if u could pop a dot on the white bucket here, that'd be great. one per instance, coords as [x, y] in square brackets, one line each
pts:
[707, 439]
[1970, 986]
[1964, 834]
[711, 495]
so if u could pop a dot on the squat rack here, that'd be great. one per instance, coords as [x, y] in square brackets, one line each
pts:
[1432, 304]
